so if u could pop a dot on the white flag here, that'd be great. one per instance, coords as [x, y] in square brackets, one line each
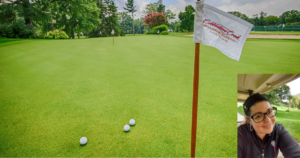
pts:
[112, 32]
[283, 25]
[221, 30]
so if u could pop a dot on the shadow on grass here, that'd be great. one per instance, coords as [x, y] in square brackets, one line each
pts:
[5, 40]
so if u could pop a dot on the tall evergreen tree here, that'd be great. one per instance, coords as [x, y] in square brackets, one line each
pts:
[108, 17]
[262, 20]
[124, 21]
[161, 7]
[131, 9]
[160, 2]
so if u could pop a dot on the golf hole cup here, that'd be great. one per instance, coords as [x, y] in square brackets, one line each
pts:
[126, 128]
[83, 141]
[132, 122]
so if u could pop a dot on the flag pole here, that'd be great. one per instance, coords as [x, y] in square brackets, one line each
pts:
[195, 100]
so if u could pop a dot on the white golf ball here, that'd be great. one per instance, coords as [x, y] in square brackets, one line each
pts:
[83, 141]
[132, 122]
[126, 128]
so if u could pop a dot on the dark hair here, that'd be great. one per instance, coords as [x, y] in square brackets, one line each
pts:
[252, 100]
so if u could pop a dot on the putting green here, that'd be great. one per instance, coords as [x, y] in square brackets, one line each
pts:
[53, 92]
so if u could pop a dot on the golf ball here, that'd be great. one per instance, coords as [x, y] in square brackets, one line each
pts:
[83, 141]
[132, 122]
[126, 128]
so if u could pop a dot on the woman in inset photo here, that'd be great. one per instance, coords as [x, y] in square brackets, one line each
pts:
[260, 136]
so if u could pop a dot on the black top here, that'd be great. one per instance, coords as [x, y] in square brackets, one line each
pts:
[251, 146]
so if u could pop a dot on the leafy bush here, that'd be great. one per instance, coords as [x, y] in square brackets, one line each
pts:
[122, 33]
[164, 33]
[6, 31]
[287, 110]
[57, 34]
[161, 28]
[18, 29]
[39, 34]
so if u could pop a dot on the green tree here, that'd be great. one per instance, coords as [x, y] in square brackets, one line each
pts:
[161, 8]
[170, 16]
[137, 26]
[78, 16]
[240, 15]
[289, 17]
[151, 7]
[177, 27]
[131, 9]
[187, 18]
[255, 20]
[32, 12]
[8, 13]
[112, 17]
[172, 25]
[160, 2]
[293, 17]
[70, 15]
[262, 18]
[109, 19]
[279, 95]
[295, 101]
[124, 21]
[272, 20]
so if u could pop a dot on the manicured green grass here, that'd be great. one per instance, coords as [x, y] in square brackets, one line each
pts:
[240, 110]
[179, 33]
[81, 37]
[53, 92]
[290, 120]
[276, 32]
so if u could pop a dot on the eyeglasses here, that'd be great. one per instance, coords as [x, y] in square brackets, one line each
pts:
[259, 117]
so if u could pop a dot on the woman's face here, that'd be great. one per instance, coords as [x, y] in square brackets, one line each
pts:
[266, 126]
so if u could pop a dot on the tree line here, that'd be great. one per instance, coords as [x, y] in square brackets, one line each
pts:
[186, 23]
[97, 18]
[93, 18]
[288, 18]
[282, 96]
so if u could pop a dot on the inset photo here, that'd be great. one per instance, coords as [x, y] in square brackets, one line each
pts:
[268, 115]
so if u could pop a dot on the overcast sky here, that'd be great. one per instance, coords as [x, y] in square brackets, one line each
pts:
[248, 7]
[295, 86]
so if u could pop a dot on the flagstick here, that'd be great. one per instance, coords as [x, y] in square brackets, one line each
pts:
[195, 100]
[113, 39]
